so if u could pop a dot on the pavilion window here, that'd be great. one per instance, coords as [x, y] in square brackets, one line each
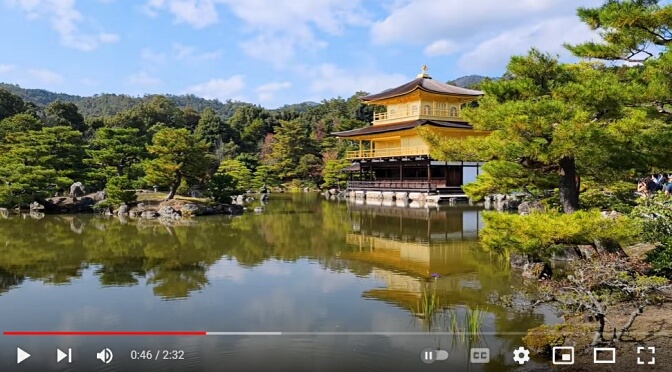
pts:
[438, 172]
[427, 110]
[453, 111]
[414, 110]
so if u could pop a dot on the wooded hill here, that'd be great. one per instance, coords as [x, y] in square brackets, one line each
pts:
[108, 104]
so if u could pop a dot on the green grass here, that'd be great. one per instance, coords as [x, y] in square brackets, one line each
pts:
[473, 321]
[160, 196]
[428, 303]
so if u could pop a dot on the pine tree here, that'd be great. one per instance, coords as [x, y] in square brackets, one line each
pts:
[178, 155]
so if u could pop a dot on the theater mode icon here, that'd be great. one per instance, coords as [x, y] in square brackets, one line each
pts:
[604, 355]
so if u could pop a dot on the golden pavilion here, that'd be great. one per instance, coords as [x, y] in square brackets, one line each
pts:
[392, 157]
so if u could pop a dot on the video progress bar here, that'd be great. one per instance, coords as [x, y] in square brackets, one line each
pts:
[206, 333]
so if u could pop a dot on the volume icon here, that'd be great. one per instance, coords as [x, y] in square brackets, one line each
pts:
[105, 356]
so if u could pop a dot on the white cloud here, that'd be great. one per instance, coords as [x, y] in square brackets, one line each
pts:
[108, 38]
[221, 89]
[197, 13]
[143, 78]
[451, 27]
[441, 48]
[455, 20]
[279, 27]
[150, 55]
[188, 53]
[227, 269]
[495, 52]
[6, 68]
[65, 20]
[30, 76]
[330, 79]
[266, 91]
[44, 76]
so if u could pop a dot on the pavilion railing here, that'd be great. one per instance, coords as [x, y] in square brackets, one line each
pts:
[388, 153]
[392, 185]
[438, 113]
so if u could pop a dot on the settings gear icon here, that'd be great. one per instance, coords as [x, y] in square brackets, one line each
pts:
[521, 355]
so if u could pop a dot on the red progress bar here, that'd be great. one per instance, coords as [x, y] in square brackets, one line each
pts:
[105, 333]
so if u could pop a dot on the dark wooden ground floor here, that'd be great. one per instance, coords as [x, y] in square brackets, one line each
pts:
[424, 175]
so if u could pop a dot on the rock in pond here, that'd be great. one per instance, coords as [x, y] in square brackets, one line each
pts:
[149, 214]
[190, 209]
[166, 211]
[123, 210]
[528, 207]
[35, 206]
[536, 270]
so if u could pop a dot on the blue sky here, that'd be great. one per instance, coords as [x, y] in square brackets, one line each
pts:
[270, 52]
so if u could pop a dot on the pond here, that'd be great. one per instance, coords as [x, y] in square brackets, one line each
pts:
[340, 286]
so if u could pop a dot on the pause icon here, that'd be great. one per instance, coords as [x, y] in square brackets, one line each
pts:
[428, 356]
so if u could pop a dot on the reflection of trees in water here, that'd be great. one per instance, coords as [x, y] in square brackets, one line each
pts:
[178, 282]
[174, 259]
[9, 280]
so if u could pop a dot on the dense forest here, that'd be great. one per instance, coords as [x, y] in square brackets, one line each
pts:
[111, 104]
[177, 143]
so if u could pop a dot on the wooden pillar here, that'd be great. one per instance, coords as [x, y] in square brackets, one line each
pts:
[429, 174]
[401, 171]
[360, 149]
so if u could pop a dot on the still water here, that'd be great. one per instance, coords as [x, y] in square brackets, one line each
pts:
[329, 272]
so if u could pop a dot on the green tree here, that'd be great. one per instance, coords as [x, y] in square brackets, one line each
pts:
[290, 143]
[19, 123]
[119, 190]
[149, 117]
[310, 168]
[333, 174]
[35, 164]
[114, 149]
[241, 175]
[64, 114]
[191, 118]
[178, 155]
[221, 186]
[10, 104]
[212, 128]
[264, 176]
[547, 120]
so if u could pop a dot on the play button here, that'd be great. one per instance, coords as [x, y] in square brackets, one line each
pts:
[21, 355]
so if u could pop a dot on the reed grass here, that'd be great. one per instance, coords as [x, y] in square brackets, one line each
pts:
[428, 303]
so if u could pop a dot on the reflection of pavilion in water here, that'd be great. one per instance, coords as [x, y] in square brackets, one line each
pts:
[406, 246]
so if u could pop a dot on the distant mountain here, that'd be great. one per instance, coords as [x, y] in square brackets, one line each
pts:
[469, 80]
[298, 107]
[39, 97]
[109, 104]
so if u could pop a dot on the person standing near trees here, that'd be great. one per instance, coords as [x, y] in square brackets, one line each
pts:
[668, 185]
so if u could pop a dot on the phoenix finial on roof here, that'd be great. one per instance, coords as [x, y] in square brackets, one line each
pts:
[423, 71]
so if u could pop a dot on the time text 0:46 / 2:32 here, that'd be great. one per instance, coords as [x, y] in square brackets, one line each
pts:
[157, 354]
